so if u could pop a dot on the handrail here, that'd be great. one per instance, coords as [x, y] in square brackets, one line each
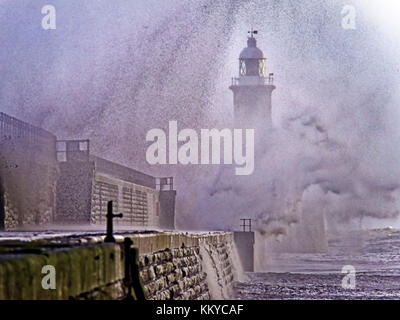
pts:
[261, 80]
[13, 127]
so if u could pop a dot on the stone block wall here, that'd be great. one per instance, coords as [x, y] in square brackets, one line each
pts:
[218, 261]
[174, 275]
[195, 266]
[162, 266]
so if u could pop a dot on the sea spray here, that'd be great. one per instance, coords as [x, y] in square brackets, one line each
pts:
[212, 277]
[237, 265]
[220, 261]
[210, 267]
[154, 64]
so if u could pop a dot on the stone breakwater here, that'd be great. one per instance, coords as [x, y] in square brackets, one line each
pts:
[175, 274]
[203, 271]
[161, 266]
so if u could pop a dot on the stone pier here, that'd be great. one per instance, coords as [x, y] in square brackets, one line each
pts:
[165, 266]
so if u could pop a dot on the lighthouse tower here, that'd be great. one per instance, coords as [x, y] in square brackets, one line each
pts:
[252, 90]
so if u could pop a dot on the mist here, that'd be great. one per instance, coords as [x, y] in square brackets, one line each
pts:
[112, 72]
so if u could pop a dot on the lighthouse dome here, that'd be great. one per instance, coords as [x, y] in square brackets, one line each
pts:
[251, 51]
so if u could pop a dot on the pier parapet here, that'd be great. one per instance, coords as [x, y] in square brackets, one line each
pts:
[166, 266]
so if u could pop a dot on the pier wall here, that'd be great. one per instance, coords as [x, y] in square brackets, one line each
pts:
[28, 171]
[46, 181]
[245, 245]
[163, 266]
[88, 272]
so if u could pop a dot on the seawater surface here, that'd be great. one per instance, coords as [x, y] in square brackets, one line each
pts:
[375, 255]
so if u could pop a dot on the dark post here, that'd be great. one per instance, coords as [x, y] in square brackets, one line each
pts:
[128, 271]
[136, 282]
[110, 226]
[132, 279]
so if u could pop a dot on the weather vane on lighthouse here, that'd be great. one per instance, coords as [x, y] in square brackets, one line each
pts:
[252, 32]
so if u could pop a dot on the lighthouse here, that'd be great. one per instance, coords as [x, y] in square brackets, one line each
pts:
[253, 88]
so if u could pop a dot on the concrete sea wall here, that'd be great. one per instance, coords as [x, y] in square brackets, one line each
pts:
[46, 181]
[91, 272]
[28, 171]
[162, 266]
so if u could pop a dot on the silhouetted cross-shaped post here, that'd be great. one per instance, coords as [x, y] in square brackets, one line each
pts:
[110, 227]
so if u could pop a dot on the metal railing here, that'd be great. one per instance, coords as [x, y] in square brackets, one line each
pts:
[12, 128]
[254, 80]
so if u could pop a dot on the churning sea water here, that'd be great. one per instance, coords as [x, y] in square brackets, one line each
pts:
[374, 254]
